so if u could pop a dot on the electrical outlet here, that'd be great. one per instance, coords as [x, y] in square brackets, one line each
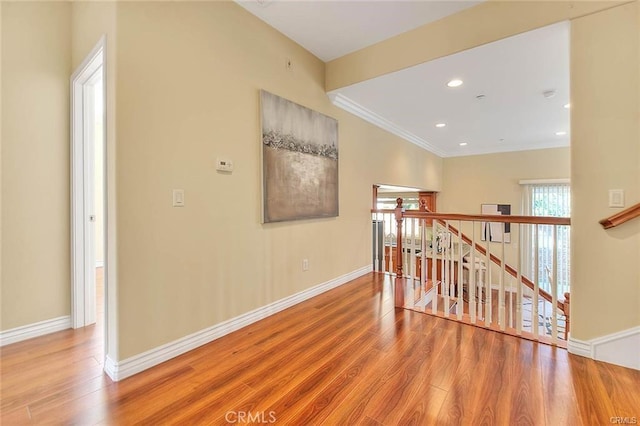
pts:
[305, 264]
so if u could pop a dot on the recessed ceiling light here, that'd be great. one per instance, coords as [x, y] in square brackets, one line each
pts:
[561, 133]
[441, 125]
[567, 106]
[463, 144]
[454, 83]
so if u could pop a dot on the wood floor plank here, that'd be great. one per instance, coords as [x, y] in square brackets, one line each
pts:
[527, 398]
[460, 404]
[595, 405]
[332, 396]
[347, 356]
[404, 387]
[279, 400]
[425, 409]
[622, 387]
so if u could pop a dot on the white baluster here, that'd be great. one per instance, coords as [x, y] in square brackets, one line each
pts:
[376, 242]
[392, 231]
[501, 294]
[460, 283]
[445, 269]
[434, 266]
[554, 287]
[519, 284]
[536, 280]
[423, 249]
[408, 248]
[488, 311]
[472, 274]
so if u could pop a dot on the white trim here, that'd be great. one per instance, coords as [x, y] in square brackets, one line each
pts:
[621, 348]
[358, 110]
[111, 368]
[579, 347]
[82, 229]
[341, 101]
[544, 181]
[514, 148]
[99, 263]
[135, 364]
[37, 329]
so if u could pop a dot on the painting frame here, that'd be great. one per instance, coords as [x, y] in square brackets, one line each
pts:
[495, 232]
[299, 160]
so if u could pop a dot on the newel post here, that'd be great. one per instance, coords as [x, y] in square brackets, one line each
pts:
[399, 219]
[567, 313]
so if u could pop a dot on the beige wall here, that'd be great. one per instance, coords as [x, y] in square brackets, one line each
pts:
[484, 23]
[471, 181]
[605, 132]
[188, 79]
[468, 182]
[35, 162]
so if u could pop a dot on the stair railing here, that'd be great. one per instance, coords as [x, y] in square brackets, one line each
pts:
[443, 271]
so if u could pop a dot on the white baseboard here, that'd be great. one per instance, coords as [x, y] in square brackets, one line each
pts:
[37, 329]
[578, 347]
[621, 348]
[119, 370]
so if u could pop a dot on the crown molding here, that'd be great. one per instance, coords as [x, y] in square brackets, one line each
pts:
[347, 104]
[358, 110]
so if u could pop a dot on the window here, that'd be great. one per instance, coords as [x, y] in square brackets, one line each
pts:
[547, 198]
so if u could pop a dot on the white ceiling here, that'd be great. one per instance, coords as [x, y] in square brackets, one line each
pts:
[512, 74]
[333, 28]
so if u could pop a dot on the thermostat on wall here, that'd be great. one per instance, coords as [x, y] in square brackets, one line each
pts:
[224, 165]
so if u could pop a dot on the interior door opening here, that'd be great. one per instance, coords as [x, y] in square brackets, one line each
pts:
[88, 195]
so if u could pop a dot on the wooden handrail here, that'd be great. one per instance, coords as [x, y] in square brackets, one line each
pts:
[622, 217]
[529, 220]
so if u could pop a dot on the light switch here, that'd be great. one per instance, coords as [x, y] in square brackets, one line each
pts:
[616, 198]
[178, 198]
[224, 164]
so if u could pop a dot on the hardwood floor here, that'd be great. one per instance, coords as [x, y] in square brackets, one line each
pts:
[344, 357]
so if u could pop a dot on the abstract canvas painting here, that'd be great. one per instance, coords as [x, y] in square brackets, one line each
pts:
[496, 231]
[299, 161]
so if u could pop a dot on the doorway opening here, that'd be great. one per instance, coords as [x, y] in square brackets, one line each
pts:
[88, 195]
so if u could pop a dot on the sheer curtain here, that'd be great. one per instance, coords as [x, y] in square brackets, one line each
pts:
[547, 199]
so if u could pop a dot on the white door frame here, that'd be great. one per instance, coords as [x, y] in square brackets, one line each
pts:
[83, 306]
